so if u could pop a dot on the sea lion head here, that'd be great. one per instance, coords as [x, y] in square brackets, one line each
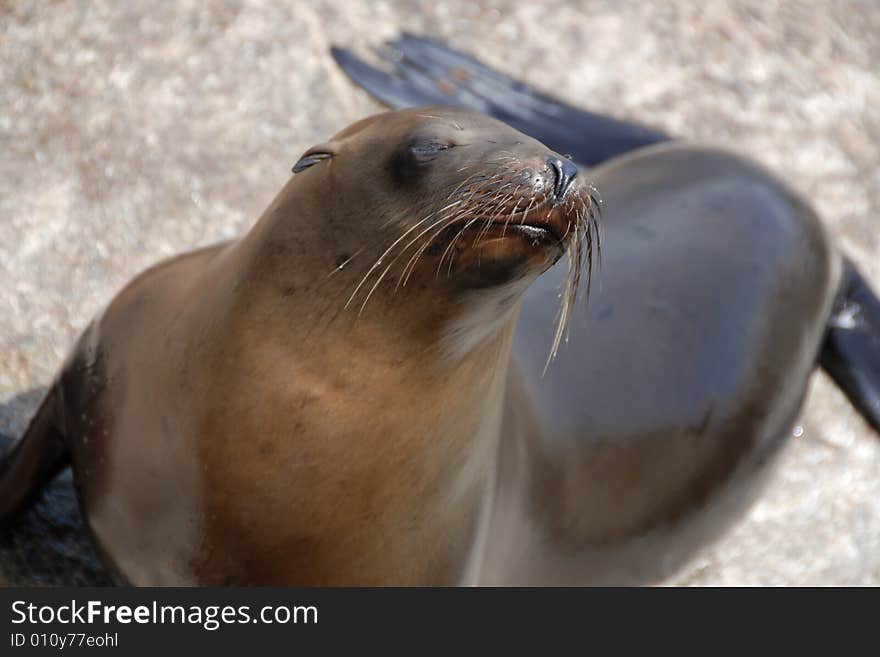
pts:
[450, 200]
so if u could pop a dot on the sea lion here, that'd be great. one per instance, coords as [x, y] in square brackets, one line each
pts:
[332, 398]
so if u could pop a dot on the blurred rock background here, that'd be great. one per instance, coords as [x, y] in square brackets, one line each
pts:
[130, 131]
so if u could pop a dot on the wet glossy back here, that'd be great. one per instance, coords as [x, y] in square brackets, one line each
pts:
[686, 371]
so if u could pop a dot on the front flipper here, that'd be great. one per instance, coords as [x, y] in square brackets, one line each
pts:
[425, 72]
[851, 353]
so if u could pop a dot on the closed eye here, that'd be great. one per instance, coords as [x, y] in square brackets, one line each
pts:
[425, 151]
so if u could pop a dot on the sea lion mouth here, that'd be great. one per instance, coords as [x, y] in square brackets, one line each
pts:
[548, 226]
[533, 233]
[545, 234]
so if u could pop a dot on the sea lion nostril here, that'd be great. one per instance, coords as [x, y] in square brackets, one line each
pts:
[565, 171]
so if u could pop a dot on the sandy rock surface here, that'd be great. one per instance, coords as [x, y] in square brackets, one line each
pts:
[132, 131]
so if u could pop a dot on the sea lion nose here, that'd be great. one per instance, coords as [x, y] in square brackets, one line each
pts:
[566, 171]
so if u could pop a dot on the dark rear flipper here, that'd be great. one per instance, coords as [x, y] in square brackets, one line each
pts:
[425, 72]
[32, 461]
[851, 353]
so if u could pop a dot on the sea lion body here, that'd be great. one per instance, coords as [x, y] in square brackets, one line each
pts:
[231, 421]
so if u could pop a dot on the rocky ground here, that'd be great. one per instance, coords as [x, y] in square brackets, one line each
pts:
[132, 131]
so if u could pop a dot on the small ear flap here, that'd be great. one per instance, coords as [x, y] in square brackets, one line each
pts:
[308, 160]
[313, 156]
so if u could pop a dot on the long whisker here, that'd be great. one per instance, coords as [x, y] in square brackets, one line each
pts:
[493, 204]
[377, 264]
[580, 261]
[395, 259]
[410, 266]
[452, 242]
[406, 248]
[385, 253]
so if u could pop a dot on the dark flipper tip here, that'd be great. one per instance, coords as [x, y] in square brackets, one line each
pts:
[851, 352]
